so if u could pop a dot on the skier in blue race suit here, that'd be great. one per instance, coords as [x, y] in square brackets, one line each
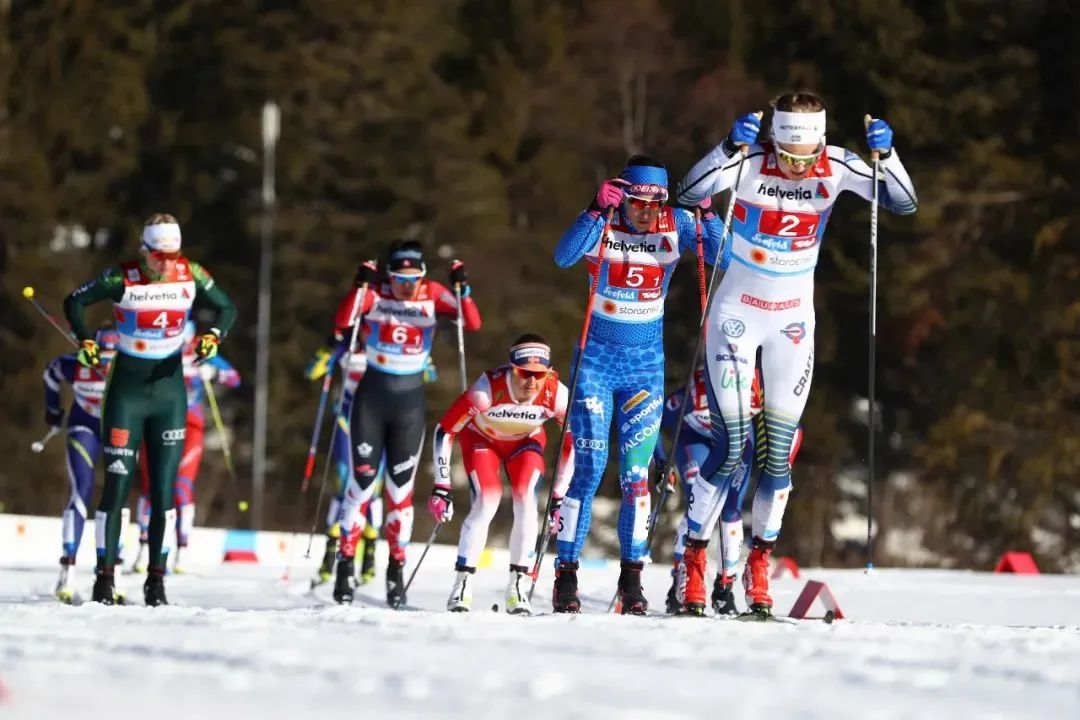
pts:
[622, 369]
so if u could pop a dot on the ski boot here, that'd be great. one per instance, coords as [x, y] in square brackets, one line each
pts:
[177, 567]
[564, 595]
[723, 597]
[154, 587]
[326, 570]
[671, 602]
[691, 580]
[343, 587]
[517, 591]
[63, 591]
[631, 599]
[395, 583]
[367, 559]
[105, 589]
[139, 567]
[461, 596]
[756, 578]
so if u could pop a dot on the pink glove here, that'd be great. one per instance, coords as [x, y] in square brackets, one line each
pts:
[441, 504]
[610, 194]
[705, 204]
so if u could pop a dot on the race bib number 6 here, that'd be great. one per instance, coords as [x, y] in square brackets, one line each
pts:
[400, 334]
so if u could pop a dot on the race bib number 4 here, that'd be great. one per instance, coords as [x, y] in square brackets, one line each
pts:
[169, 322]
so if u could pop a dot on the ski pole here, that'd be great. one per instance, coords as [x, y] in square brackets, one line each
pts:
[28, 293]
[39, 445]
[215, 412]
[427, 546]
[358, 303]
[544, 536]
[313, 449]
[871, 414]
[687, 396]
[461, 339]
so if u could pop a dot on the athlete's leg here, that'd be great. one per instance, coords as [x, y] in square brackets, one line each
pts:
[367, 436]
[691, 452]
[482, 466]
[787, 368]
[184, 495]
[639, 403]
[525, 468]
[590, 421]
[166, 429]
[404, 444]
[343, 467]
[83, 447]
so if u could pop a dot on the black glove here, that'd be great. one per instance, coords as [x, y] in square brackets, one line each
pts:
[458, 276]
[661, 482]
[553, 516]
[367, 273]
[53, 418]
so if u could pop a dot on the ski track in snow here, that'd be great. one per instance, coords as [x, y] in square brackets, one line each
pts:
[240, 642]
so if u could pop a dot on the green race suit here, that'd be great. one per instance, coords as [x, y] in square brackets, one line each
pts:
[145, 401]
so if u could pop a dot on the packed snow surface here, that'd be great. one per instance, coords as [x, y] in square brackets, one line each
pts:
[242, 641]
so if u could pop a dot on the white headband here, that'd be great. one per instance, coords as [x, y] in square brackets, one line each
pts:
[798, 128]
[163, 236]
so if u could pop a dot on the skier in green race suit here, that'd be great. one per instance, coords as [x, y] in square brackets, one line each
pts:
[145, 400]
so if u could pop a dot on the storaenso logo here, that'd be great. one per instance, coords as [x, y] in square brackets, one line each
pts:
[174, 435]
[155, 295]
[780, 193]
[620, 246]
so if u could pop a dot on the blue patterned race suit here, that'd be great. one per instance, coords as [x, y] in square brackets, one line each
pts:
[622, 369]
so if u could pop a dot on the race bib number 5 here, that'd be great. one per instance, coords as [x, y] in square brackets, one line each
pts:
[635, 276]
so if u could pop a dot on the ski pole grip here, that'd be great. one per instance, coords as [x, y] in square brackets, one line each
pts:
[866, 124]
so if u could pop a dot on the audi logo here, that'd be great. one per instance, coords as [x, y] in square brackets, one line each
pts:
[173, 435]
[589, 444]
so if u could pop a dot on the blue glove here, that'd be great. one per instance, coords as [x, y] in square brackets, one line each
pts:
[879, 136]
[745, 130]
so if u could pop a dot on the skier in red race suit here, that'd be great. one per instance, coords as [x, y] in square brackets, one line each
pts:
[499, 422]
[398, 313]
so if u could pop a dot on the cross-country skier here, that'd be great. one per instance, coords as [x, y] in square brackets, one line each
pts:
[621, 377]
[499, 422]
[766, 299]
[83, 441]
[695, 442]
[398, 315]
[145, 402]
[216, 369]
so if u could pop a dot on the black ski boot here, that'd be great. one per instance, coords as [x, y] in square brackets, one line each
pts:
[154, 587]
[564, 597]
[671, 603]
[395, 583]
[367, 561]
[631, 597]
[343, 586]
[104, 587]
[723, 597]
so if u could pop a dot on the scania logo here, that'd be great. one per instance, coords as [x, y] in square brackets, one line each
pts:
[174, 435]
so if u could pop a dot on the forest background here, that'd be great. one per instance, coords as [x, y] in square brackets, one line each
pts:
[482, 127]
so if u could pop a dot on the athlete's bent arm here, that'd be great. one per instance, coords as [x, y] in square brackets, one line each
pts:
[579, 238]
[714, 173]
[469, 404]
[896, 191]
[209, 294]
[110, 286]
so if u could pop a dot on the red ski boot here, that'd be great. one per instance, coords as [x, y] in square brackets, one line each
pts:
[692, 577]
[756, 577]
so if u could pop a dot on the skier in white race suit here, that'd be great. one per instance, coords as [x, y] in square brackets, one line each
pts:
[784, 197]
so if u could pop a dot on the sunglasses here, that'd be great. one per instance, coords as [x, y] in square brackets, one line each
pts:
[529, 374]
[407, 279]
[162, 255]
[791, 159]
[642, 204]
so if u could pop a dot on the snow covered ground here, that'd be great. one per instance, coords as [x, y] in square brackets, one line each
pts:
[239, 641]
